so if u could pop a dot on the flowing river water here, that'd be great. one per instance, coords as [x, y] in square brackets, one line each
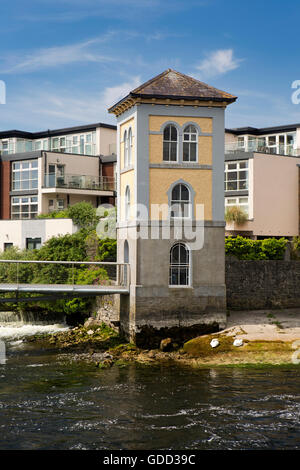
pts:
[50, 401]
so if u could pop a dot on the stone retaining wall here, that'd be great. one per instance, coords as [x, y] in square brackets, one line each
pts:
[254, 285]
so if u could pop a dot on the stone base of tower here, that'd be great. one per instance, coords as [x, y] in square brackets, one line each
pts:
[156, 313]
[154, 310]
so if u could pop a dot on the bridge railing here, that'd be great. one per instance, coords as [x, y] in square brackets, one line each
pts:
[88, 273]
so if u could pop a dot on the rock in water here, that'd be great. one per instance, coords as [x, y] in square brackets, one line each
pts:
[214, 343]
[165, 344]
[238, 342]
[90, 332]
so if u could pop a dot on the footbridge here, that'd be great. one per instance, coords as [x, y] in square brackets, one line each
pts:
[28, 281]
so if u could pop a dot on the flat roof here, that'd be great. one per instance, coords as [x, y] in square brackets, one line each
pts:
[54, 132]
[262, 130]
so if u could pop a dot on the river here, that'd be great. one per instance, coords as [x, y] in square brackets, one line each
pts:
[49, 401]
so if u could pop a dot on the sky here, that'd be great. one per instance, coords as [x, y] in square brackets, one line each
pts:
[64, 62]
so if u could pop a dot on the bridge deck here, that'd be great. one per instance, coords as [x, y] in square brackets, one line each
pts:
[64, 288]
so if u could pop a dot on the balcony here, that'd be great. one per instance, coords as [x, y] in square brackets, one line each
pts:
[79, 182]
[257, 146]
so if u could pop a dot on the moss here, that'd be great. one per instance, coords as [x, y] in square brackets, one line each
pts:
[121, 363]
[201, 346]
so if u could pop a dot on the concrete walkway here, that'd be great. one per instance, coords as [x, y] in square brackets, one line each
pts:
[265, 325]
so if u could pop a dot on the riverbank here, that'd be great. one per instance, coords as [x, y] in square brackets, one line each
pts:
[264, 338]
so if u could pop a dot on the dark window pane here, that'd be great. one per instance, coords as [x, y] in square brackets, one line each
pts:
[176, 193]
[185, 152]
[192, 152]
[232, 186]
[174, 276]
[183, 277]
[185, 194]
[173, 151]
[173, 133]
[232, 176]
[166, 152]
[183, 255]
[175, 254]
[167, 133]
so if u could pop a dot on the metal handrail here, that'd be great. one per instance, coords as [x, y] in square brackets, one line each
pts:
[113, 263]
[71, 181]
[121, 275]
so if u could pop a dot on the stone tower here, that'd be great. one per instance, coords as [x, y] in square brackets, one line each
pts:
[171, 207]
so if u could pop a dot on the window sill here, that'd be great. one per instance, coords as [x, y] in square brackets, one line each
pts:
[127, 168]
[181, 287]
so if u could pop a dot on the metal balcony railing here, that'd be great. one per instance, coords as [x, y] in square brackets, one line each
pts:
[257, 146]
[103, 183]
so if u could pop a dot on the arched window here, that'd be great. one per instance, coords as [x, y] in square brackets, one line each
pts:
[129, 146]
[170, 144]
[125, 149]
[127, 203]
[126, 260]
[179, 265]
[180, 201]
[190, 138]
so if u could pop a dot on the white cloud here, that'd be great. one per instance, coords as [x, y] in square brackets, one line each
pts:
[57, 56]
[218, 63]
[50, 109]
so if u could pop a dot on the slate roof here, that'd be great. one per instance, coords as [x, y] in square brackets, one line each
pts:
[175, 85]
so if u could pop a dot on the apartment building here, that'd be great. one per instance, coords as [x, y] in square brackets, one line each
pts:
[46, 171]
[262, 178]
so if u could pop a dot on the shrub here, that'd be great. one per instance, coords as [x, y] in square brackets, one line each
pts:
[83, 215]
[245, 248]
[236, 214]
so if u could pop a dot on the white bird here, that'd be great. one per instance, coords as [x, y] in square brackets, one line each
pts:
[214, 343]
[238, 342]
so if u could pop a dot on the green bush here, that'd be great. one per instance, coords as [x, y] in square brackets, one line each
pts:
[244, 248]
[76, 247]
[83, 215]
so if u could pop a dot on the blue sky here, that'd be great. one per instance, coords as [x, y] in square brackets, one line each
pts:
[65, 61]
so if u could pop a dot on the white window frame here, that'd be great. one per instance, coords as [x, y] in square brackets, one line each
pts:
[237, 170]
[170, 142]
[177, 266]
[237, 202]
[189, 142]
[186, 202]
[20, 171]
[20, 201]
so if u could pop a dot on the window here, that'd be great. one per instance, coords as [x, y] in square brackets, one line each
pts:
[60, 204]
[126, 149]
[170, 144]
[24, 175]
[8, 245]
[241, 142]
[129, 146]
[180, 201]
[236, 176]
[127, 203]
[190, 136]
[33, 243]
[241, 202]
[251, 143]
[51, 205]
[24, 207]
[179, 274]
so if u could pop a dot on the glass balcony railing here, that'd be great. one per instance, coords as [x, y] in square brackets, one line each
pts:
[257, 146]
[103, 183]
